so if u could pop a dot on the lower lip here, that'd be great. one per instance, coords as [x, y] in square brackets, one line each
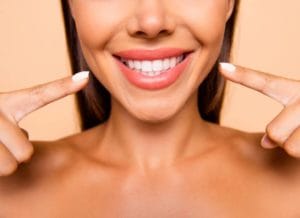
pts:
[161, 81]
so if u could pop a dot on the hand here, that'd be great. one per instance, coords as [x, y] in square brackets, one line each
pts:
[284, 129]
[15, 147]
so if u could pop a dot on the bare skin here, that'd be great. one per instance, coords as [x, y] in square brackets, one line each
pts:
[233, 179]
[220, 172]
[155, 156]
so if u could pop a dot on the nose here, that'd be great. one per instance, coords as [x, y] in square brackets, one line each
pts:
[151, 20]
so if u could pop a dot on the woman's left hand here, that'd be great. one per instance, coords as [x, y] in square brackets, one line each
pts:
[284, 129]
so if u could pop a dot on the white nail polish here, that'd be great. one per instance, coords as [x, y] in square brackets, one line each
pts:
[80, 76]
[228, 67]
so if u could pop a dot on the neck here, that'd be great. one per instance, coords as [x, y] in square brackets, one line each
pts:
[152, 145]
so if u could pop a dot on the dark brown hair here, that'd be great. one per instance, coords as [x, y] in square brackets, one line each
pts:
[94, 101]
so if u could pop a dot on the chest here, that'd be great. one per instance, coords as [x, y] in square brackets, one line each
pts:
[127, 197]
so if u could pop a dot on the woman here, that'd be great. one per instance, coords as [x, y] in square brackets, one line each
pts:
[151, 145]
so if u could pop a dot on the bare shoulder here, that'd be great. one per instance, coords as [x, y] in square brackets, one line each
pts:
[245, 148]
[51, 160]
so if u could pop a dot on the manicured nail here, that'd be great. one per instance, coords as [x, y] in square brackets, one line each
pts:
[267, 143]
[228, 67]
[80, 76]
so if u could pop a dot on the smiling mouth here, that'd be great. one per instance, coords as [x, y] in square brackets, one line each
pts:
[154, 67]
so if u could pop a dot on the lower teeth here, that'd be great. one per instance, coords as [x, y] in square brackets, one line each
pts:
[150, 73]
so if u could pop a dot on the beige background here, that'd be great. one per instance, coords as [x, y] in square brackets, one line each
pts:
[33, 51]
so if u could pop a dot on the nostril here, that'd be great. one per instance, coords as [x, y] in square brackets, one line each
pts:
[164, 32]
[140, 33]
[154, 35]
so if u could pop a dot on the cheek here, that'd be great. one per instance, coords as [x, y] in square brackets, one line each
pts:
[96, 25]
[95, 22]
[206, 20]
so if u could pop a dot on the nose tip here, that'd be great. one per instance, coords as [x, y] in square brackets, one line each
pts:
[151, 23]
[152, 29]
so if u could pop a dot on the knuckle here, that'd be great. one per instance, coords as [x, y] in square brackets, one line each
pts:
[273, 133]
[9, 168]
[292, 146]
[25, 155]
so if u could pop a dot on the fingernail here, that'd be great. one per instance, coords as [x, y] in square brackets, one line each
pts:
[80, 76]
[228, 67]
[267, 143]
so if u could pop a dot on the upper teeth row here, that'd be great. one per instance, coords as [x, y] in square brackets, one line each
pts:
[147, 66]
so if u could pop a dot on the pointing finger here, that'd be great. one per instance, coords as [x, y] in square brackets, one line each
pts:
[20, 103]
[283, 90]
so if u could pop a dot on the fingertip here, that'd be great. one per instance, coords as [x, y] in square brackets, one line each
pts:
[79, 81]
[227, 68]
[80, 76]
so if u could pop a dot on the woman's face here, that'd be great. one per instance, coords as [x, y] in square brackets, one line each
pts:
[151, 55]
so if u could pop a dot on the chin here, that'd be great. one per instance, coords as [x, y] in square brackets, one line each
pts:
[155, 113]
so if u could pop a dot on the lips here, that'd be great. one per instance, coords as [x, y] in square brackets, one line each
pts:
[152, 69]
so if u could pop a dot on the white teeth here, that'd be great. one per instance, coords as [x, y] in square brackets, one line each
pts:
[178, 59]
[173, 62]
[137, 65]
[155, 67]
[157, 73]
[146, 66]
[166, 64]
[131, 64]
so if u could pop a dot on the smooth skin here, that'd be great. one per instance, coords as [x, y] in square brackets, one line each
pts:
[154, 157]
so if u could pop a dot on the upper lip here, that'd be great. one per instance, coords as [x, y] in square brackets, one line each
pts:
[144, 54]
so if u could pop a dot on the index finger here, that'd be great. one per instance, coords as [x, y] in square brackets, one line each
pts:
[280, 89]
[18, 104]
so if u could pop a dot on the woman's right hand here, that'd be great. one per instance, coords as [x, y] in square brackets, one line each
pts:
[15, 147]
